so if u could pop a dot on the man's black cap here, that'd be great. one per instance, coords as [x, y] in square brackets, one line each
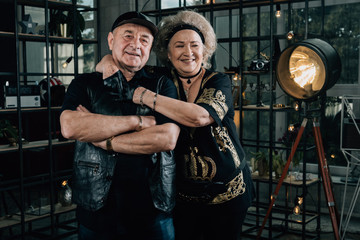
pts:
[137, 18]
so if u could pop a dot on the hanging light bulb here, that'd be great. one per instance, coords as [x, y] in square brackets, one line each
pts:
[278, 11]
[66, 63]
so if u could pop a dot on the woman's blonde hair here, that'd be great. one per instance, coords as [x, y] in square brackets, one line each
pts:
[166, 26]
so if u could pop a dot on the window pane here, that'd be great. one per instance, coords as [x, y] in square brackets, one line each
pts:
[89, 3]
[343, 34]
[250, 22]
[222, 57]
[87, 58]
[35, 58]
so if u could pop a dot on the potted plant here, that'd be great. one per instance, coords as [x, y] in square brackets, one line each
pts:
[60, 18]
[261, 162]
[79, 27]
[278, 163]
[57, 18]
[8, 132]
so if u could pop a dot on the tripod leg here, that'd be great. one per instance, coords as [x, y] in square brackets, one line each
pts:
[281, 180]
[327, 184]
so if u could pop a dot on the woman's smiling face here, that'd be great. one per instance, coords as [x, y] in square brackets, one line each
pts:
[185, 51]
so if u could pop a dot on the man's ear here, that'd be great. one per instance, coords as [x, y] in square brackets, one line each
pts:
[110, 40]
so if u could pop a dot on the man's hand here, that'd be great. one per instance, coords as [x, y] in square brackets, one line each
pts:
[81, 108]
[147, 121]
[101, 144]
[107, 66]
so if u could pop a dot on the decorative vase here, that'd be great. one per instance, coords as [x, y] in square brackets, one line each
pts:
[63, 29]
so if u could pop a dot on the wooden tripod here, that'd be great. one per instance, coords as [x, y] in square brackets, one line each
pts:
[326, 180]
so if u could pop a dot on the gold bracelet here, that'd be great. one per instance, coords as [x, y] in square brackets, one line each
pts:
[140, 123]
[109, 147]
[141, 98]
[154, 103]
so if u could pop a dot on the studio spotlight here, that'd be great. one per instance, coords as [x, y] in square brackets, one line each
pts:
[305, 70]
[308, 68]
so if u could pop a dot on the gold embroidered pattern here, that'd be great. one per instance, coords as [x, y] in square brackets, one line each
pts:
[217, 102]
[224, 141]
[199, 167]
[235, 188]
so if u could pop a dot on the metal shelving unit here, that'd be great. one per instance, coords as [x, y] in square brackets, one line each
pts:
[35, 167]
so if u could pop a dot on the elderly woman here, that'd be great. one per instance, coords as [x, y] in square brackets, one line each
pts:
[213, 179]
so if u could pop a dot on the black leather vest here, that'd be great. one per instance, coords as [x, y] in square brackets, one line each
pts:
[93, 166]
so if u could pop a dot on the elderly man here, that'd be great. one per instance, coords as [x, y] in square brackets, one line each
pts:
[116, 139]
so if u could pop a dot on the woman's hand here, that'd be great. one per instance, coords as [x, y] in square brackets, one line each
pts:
[107, 66]
[139, 94]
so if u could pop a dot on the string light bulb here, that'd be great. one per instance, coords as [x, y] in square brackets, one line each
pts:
[236, 77]
[296, 106]
[278, 11]
[297, 210]
[300, 200]
[290, 35]
[66, 63]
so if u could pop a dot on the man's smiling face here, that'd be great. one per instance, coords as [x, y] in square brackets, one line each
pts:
[131, 45]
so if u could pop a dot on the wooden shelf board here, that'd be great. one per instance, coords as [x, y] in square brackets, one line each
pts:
[35, 144]
[15, 219]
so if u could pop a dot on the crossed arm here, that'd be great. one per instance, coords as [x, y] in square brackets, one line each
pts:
[186, 113]
[129, 136]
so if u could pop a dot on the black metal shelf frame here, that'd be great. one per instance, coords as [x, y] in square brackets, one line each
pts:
[53, 175]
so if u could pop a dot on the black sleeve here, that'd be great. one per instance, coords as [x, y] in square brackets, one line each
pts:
[76, 93]
[167, 89]
[216, 96]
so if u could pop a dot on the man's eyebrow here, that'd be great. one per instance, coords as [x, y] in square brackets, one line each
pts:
[146, 35]
[128, 31]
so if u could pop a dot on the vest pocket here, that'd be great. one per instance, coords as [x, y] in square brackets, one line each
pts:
[92, 165]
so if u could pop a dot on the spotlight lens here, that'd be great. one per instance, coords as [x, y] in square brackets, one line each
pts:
[65, 64]
[307, 70]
